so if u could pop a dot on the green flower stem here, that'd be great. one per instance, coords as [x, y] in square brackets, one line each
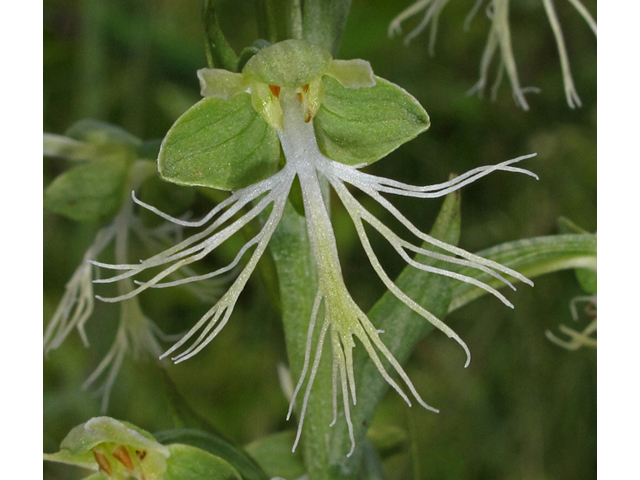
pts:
[531, 257]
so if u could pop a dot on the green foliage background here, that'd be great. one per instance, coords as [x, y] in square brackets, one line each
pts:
[524, 409]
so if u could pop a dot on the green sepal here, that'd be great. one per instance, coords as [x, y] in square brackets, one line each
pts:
[215, 82]
[223, 144]
[191, 463]
[91, 192]
[248, 52]
[361, 126]
[291, 63]
[356, 73]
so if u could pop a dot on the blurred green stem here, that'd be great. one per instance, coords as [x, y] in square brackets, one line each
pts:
[323, 22]
[92, 61]
[279, 20]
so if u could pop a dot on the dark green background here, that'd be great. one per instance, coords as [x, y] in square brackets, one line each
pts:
[525, 408]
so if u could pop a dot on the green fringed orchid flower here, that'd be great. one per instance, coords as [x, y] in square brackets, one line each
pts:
[328, 119]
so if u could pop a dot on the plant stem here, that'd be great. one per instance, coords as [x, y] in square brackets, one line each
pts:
[323, 22]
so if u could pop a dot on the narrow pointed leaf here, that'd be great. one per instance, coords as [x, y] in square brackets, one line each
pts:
[531, 257]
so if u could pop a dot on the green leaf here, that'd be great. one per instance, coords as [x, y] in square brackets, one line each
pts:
[273, 454]
[360, 126]
[531, 257]
[191, 463]
[92, 192]
[403, 329]
[218, 143]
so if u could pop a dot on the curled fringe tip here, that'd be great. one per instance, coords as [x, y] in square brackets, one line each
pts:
[102, 280]
[169, 218]
[426, 406]
[468, 352]
[353, 447]
[109, 266]
[106, 299]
